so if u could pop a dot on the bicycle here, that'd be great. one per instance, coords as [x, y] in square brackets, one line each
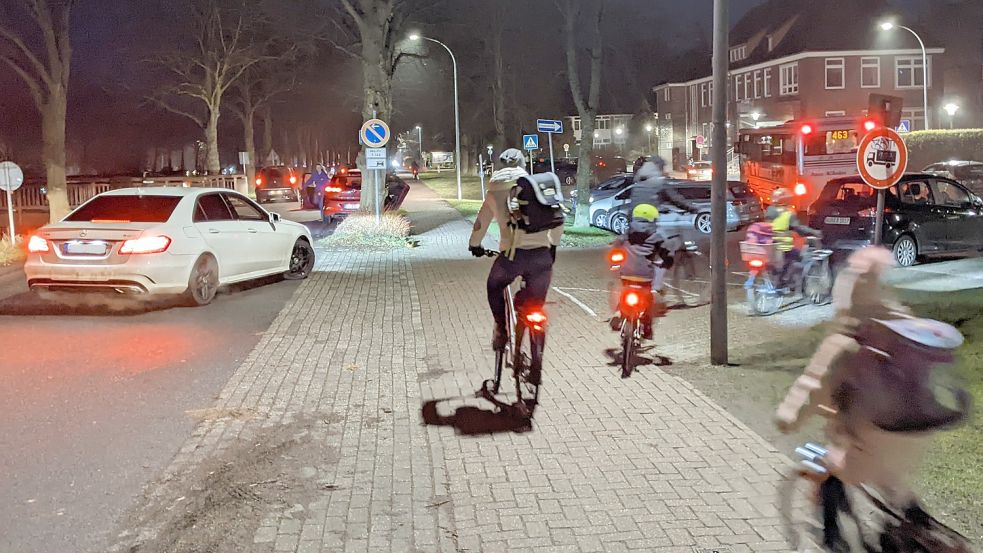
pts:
[684, 269]
[635, 299]
[523, 353]
[810, 278]
[866, 522]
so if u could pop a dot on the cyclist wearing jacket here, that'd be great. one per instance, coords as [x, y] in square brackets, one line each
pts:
[781, 215]
[526, 254]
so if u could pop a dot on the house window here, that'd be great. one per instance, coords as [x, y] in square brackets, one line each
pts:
[908, 72]
[757, 84]
[703, 95]
[668, 116]
[738, 53]
[768, 83]
[747, 86]
[835, 70]
[738, 87]
[870, 72]
[603, 123]
[576, 125]
[667, 94]
[916, 116]
[771, 43]
[789, 77]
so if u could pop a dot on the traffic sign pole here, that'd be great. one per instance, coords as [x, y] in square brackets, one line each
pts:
[879, 221]
[552, 164]
[10, 216]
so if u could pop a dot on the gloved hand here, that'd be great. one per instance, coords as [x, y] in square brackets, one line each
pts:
[477, 251]
[513, 204]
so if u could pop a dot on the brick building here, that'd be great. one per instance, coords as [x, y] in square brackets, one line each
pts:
[793, 59]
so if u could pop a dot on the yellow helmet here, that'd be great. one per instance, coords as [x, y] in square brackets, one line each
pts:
[645, 212]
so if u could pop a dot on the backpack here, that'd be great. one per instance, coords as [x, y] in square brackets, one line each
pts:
[760, 233]
[540, 202]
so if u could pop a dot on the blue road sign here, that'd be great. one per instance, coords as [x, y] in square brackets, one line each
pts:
[549, 125]
[374, 133]
[905, 125]
[530, 141]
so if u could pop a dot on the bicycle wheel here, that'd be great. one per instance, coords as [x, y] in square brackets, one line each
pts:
[627, 346]
[801, 509]
[762, 297]
[527, 367]
[817, 283]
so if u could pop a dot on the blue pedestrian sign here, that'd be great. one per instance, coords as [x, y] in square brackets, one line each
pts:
[530, 141]
[549, 125]
[374, 133]
[905, 125]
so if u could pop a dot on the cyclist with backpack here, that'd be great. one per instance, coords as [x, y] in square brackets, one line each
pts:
[529, 214]
[871, 377]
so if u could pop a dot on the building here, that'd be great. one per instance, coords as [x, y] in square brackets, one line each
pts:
[795, 59]
[609, 130]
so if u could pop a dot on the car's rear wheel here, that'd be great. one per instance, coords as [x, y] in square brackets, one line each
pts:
[301, 261]
[702, 223]
[203, 283]
[906, 251]
[600, 219]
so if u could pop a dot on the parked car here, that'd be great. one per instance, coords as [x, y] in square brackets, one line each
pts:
[748, 205]
[566, 169]
[343, 194]
[611, 208]
[167, 240]
[277, 183]
[924, 215]
[967, 173]
[699, 170]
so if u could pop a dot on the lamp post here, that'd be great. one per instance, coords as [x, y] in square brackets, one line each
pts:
[457, 111]
[419, 134]
[887, 26]
[951, 109]
[754, 117]
[648, 130]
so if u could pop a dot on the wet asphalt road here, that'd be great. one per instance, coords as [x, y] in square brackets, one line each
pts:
[94, 400]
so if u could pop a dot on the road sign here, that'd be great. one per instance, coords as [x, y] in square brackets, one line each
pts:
[375, 153]
[904, 126]
[11, 177]
[700, 140]
[549, 125]
[566, 148]
[530, 141]
[882, 158]
[243, 158]
[374, 133]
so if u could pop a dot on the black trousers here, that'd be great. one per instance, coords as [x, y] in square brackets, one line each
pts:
[536, 269]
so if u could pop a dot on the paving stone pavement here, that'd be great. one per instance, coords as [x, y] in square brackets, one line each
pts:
[643, 464]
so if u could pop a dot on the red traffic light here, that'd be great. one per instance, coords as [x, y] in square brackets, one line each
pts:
[806, 129]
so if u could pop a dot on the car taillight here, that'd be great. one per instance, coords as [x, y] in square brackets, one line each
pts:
[333, 189]
[259, 181]
[800, 189]
[756, 263]
[868, 213]
[38, 245]
[147, 244]
[536, 319]
[293, 179]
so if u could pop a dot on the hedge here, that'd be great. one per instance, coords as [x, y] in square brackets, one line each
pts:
[928, 147]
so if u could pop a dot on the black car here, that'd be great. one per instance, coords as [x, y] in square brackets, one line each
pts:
[924, 215]
[277, 183]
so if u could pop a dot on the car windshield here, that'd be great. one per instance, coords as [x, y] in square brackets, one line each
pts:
[126, 209]
[612, 184]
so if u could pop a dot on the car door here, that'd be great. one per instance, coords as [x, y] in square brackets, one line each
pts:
[925, 219]
[962, 215]
[267, 249]
[216, 224]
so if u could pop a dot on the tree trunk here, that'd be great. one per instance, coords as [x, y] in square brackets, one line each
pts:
[498, 81]
[53, 134]
[584, 166]
[214, 166]
[377, 90]
[267, 136]
[250, 136]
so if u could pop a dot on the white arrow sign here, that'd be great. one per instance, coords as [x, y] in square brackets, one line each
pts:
[549, 125]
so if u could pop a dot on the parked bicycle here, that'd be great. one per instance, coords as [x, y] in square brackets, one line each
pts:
[866, 522]
[810, 279]
[523, 354]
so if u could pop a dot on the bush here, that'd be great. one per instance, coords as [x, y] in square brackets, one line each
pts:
[359, 231]
[10, 254]
[927, 147]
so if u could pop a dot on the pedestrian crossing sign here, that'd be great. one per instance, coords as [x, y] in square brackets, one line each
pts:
[904, 125]
[530, 141]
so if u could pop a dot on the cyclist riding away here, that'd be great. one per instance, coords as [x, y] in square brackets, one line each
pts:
[871, 377]
[529, 232]
[781, 215]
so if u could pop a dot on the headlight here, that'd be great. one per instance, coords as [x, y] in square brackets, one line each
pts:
[590, 199]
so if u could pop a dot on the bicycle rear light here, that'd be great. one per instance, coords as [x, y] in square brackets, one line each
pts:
[537, 319]
[616, 257]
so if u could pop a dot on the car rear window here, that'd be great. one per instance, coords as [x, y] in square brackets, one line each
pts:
[126, 209]
[695, 193]
[740, 190]
[972, 172]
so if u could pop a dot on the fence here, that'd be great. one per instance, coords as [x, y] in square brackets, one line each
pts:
[33, 197]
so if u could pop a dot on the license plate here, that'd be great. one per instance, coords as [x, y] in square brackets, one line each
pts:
[837, 220]
[80, 247]
[351, 206]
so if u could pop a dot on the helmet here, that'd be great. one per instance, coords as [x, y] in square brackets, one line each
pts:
[926, 332]
[645, 212]
[781, 196]
[512, 158]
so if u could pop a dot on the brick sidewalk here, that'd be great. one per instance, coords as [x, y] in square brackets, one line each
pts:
[319, 437]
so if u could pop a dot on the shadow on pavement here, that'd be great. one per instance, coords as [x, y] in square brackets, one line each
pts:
[470, 421]
[655, 360]
[105, 304]
[320, 229]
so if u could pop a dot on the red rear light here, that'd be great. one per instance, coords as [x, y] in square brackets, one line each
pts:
[259, 181]
[616, 257]
[601, 164]
[147, 244]
[536, 319]
[632, 299]
[800, 189]
[756, 263]
[333, 189]
[869, 125]
[38, 245]
[806, 129]
[868, 213]
[293, 179]
[343, 170]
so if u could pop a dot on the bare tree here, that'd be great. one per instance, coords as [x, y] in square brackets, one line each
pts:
[46, 75]
[226, 46]
[592, 11]
[253, 92]
[498, 18]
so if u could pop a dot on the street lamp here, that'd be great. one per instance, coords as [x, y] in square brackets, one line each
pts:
[457, 111]
[419, 133]
[951, 109]
[755, 115]
[888, 26]
[648, 130]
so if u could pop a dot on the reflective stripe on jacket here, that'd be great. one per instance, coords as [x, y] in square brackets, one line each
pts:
[781, 227]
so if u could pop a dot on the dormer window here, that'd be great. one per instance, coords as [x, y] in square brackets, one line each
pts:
[738, 53]
[771, 43]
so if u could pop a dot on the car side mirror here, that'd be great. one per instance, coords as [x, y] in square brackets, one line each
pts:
[274, 217]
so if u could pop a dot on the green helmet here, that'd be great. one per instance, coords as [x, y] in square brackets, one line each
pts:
[645, 212]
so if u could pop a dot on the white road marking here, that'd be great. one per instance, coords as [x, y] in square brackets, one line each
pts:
[579, 303]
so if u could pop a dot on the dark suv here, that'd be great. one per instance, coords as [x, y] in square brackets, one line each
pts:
[277, 183]
[924, 215]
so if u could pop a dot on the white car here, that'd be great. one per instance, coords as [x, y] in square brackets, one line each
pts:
[150, 241]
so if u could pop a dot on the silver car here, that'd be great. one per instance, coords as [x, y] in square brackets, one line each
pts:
[610, 205]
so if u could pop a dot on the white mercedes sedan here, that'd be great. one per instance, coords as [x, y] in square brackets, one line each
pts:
[153, 241]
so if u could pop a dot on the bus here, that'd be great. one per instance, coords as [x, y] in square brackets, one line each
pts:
[801, 156]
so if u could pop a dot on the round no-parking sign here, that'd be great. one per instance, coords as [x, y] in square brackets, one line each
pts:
[882, 158]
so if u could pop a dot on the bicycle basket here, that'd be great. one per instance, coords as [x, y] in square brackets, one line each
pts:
[751, 251]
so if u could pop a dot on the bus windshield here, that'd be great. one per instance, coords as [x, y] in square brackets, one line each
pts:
[837, 141]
